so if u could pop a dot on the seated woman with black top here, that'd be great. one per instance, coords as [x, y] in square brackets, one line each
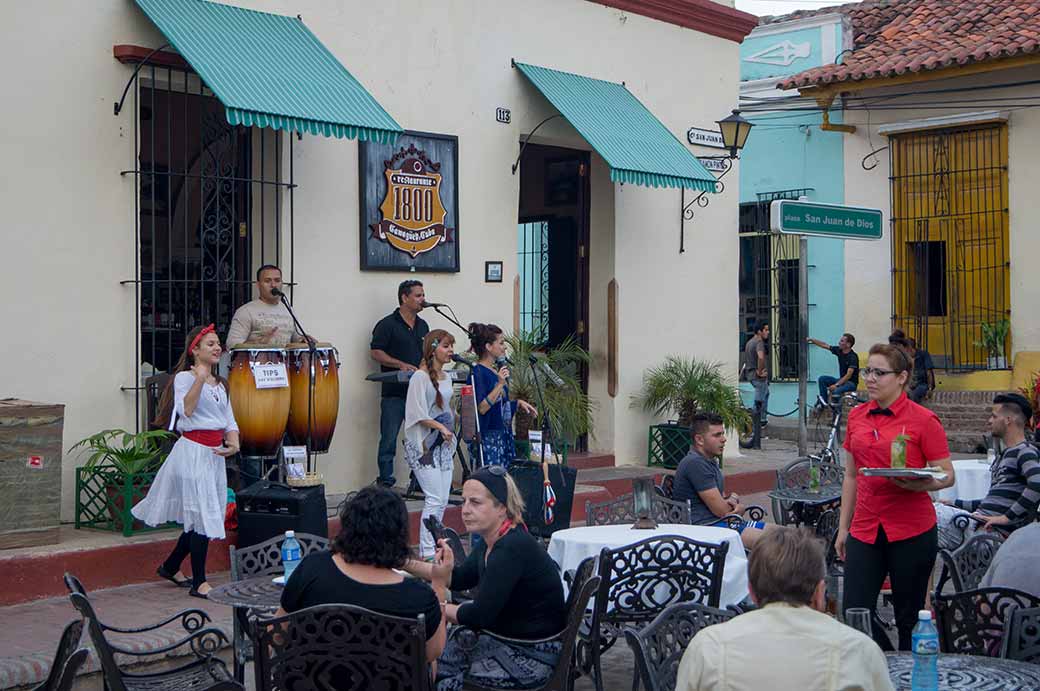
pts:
[519, 596]
[372, 542]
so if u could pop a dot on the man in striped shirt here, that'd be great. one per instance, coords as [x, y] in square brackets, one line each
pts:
[1015, 488]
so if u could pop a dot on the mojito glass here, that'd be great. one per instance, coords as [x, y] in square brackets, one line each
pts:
[897, 453]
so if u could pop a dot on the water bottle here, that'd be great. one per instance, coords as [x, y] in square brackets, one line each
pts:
[290, 553]
[925, 646]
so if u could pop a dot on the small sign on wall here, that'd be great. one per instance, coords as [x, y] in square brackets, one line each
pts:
[34, 462]
[702, 137]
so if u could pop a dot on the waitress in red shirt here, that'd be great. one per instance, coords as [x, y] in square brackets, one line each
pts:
[893, 529]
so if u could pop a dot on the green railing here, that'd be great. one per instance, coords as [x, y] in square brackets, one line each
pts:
[105, 495]
[667, 443]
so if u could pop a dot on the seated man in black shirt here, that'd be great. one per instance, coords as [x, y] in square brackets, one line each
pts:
[832, 388]
[520, 593]
[923, 382]
[372, 542]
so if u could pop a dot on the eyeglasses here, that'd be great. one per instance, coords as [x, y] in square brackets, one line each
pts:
[873, 372]
[496, 470]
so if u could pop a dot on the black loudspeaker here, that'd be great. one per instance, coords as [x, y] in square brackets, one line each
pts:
[529, 479]
[266, 509]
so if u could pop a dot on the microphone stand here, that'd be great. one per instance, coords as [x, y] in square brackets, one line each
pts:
[472, 382]
[546, 424]
[312, 349]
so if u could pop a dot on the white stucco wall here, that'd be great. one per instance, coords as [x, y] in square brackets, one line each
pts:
[436, 67]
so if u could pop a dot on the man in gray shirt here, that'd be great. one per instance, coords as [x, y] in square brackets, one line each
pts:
[756, 367]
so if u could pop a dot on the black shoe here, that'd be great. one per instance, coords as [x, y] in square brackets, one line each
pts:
[172, 578]
[195, 593]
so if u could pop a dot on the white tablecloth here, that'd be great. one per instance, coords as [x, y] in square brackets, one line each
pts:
[972, 478]
[569, 547]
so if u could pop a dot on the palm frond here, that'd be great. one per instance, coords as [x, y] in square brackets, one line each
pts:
[685, 386]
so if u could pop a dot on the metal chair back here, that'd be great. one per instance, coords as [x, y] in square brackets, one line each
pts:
[1022, 637]
[796, 474]
[109, 669]
[63, 657]
[966, 565]
[340, 646]
[659, 647]
[621, 511]
[973, 622]
[459, 552]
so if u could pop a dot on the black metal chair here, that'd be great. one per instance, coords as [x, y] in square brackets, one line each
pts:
[972, 622]
[753, 512]
[342, 647]
[1022, 636]
[796, 474]
[966, 565]
[459, 552]
[666, 487]
[67, 659]
[621, 511]
[659, 647]
[562, 678]
[203, 672]
[261, 559]
[639, 581]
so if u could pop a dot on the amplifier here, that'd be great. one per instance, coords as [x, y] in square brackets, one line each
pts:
[531, 483]
[266, 509]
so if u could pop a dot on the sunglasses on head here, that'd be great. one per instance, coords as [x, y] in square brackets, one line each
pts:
[496, 470]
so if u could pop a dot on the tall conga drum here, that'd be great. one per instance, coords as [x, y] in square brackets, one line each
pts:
[325, 399]
[261, 413]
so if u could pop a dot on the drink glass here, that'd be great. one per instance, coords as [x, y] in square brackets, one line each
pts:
[897, 453]
[859, 619]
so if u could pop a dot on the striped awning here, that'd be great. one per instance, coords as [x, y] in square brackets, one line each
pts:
[636, 145]
[270, 71]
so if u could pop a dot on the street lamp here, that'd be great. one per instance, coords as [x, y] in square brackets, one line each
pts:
[734, 130]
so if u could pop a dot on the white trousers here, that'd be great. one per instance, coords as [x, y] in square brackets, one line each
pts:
[436, 486]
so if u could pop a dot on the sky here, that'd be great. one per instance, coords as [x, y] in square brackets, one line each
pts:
[764, 7]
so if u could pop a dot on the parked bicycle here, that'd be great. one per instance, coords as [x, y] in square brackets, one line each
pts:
[829, 453]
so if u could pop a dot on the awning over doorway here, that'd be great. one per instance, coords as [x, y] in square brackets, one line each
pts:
[270, 71]
[636, 145]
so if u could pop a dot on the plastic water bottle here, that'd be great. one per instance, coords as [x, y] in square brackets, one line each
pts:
[925, 646]
[290, 553]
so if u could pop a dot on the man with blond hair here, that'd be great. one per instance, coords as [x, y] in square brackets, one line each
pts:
[789, 642]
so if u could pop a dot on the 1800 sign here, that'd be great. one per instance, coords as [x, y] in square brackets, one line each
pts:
[412, 210]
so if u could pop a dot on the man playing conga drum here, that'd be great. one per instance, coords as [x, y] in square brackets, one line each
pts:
[264, 320]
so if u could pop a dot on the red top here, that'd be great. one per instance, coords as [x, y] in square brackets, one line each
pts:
[902, 513]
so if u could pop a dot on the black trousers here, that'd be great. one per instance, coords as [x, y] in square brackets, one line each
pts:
[197, 546]
[908, 564]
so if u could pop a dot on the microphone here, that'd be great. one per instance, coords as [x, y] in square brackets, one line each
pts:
[277, 293]
[433, 304]
[458, 359]
[501, 362]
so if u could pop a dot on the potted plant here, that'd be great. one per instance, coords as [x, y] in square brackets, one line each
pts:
[681, 387]
[119, 469]
[994, 336]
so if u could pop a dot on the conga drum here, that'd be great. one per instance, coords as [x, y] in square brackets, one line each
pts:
[325, 401]
[261, 414]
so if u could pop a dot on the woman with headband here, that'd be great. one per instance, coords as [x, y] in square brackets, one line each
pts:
[429, 439]
[191, 486]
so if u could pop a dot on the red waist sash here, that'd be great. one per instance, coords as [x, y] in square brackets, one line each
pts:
[206, 437]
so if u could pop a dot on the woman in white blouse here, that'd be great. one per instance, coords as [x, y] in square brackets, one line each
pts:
[191, 486]
[429, 442]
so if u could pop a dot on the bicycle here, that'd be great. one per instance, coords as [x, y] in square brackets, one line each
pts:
[829, 453]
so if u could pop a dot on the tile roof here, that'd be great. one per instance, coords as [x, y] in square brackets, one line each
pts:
[894, 37]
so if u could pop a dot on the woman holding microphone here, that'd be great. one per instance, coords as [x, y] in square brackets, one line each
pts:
[888, 525]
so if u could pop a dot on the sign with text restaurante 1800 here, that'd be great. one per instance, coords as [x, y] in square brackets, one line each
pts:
[409, 204]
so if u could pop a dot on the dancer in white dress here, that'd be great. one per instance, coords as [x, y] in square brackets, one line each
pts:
[191, 486]
[429, 443]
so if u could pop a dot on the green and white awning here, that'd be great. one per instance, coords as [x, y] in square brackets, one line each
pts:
[636, 145]
[270, 71]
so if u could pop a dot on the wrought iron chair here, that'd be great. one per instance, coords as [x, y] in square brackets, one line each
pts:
[972, 622]
[1022, 637]
[459, 552]
[261, 559]
[796, 474]
[67, 659]
[621, 511]
[562, 678]
[966, 565]
[659, 647]
[204, 671]
[666, 487]
[753, 512]
[342, 647]
[639, 581]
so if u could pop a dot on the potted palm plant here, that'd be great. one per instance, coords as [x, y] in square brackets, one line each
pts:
[681, 387]
[994, 336]
[119, 469]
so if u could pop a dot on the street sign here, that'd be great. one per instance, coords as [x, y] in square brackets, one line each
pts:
[702, 137]
[830, 220]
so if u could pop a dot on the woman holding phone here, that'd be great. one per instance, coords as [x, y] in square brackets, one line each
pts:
[887, 525]
[191, 486]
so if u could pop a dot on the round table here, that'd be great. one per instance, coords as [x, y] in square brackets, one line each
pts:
[570, 547]
[259, 593]
[968, 672]
[972, 478]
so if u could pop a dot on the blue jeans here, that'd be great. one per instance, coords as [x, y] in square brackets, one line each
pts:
[838, 392]
[917, 393]
[391, 416]
[761, 387]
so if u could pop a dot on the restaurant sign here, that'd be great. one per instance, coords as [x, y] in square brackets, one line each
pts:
[798, 217]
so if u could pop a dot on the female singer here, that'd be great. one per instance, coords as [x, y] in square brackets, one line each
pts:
[429, 440]
[191, 486]
[491, 391]
[887, 525]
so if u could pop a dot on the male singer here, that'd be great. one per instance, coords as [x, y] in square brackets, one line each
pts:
[397, 345]
[266, 319]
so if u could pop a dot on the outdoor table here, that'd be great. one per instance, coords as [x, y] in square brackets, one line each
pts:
[571, 546]
[968, 672]
[259, 593]
[807, 505]
[972, 478]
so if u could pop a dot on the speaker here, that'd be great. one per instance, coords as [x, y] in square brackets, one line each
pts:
[266, 509]
[529, 480]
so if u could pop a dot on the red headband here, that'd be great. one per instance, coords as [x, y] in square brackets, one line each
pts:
[195, 341]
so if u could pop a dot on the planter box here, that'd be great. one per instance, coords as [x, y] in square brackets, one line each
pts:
[30, 472]
[667, 444]
[104, 497]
